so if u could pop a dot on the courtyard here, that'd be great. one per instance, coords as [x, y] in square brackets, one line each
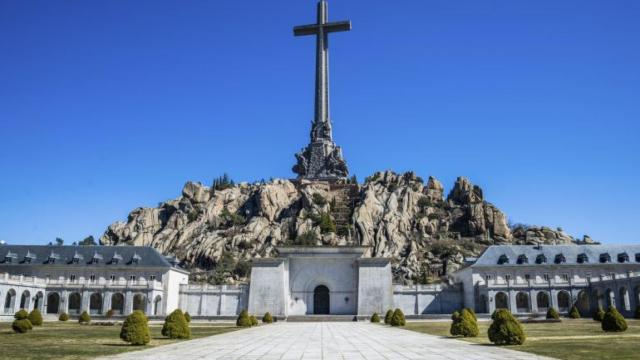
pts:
[327, 340]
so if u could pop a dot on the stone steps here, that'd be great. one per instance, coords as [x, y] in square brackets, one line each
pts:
[321, 318]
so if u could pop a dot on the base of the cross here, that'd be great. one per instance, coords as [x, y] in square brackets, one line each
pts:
[321, 160]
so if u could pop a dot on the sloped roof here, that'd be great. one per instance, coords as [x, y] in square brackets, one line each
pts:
[493, 253]
[84, 255]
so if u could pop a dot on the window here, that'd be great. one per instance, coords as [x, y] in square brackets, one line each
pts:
[623, 258]
[132, 278]
[588, 276]
[541, 259]
[522, 259]
[612, 276]
[507, 277]
[605, 258]
[560, 259]
[94, 260]
[92, 278]
[112, 278]
[583, 259]
[527, 277]
[152, 278]
[565, 277]
[72, 278]
[503, 259]
[487, 278]
[546, 277]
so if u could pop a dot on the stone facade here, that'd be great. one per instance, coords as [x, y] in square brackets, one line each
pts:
[529, 279]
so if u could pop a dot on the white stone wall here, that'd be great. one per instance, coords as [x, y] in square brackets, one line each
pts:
[374, 286]
[427, 299]
[268, 287]
[213, 300]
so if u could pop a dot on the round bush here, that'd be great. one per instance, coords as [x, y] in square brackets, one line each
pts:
[267, 318]
[135, 329]
[553, 314]
[253, 320]
[187, 316]
[574, 313]
[21, 314]
[599, 314]
[472, 313]
[176, 326]
[505, 329]
[375, 318]
[21, 326]
[35, 317]
[636, 315]
[464, 324]
[388, 316]
[63, 317]
[84, 318]
[613, 321]
[397, 319]
[243, 319]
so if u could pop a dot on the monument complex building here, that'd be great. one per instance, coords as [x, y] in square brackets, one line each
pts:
[317, 280]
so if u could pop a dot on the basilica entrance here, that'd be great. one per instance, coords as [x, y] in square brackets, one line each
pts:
[321, 300]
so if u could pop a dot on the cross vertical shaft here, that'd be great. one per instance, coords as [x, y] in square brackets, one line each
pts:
[321, 29]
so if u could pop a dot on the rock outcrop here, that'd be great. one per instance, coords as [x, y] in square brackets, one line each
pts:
[216, 232]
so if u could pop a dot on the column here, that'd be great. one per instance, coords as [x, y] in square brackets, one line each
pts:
[533, 301]
[128, 302]
[513, 307]
[84, 301]
[106, 302]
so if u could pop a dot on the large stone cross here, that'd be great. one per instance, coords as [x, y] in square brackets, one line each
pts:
[321, 123]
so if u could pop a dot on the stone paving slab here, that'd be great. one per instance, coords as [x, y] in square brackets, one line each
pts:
[345, 340]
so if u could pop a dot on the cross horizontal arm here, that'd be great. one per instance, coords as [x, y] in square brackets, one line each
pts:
[328, 27]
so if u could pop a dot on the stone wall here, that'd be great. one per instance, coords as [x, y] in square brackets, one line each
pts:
[427, 299]
[213, 300]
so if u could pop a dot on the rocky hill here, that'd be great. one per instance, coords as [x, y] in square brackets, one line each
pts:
[216, 231]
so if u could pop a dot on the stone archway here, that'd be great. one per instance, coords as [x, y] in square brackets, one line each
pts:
[542, 300]
[583, 304]
[502, 301]
[321, 300]
[53, 303]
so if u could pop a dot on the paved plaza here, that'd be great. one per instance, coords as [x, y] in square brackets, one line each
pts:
[343, 340]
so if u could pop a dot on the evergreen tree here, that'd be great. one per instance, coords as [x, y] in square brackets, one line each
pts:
[176, 326]
[243, 319]
[375, 318]
[574, 313]
[35, 317]
[613, 321]
[135, 329]
[599, 314]
[505, 329]
[267, 318]
[388, 316]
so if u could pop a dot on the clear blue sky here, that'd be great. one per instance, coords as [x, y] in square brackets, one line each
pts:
[110, 105]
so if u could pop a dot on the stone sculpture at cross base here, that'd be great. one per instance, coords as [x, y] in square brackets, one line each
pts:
[322, 158]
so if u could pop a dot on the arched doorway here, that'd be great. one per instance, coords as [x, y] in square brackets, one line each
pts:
[139, 302]
[156, 305]
[117, 303]
[583, 302]
[25, 300]
[10, 302]
[522, 302]
[37, 304]
[321, 300]
[610, 298]
[75, 301]
[624, 299]
[542, 300]
[502, 301]
[53, 303]
[95, 304]
[481, 307]
[564, 301]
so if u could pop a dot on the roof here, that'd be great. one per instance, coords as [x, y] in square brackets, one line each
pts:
[76, 255]
[515, 255]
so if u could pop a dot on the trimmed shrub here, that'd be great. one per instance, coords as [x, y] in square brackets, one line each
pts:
[84, 318]
[35, 317]
[613, 321]
[243, 319]
[135, 329]
[187, 316]
[388, 316]
[574, 313]
[473, 313]
[63, 317]
[253, 320]
[553, 314]
[176, 326]
[599, 314]
[398, 318]
[636, 315]
[375, 318]
[21, 326]
[267, 318]
[109, 313]
[21, 314]
[464, 324]
[505, 329]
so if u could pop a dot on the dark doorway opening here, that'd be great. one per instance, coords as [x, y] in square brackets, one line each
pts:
[321, 300]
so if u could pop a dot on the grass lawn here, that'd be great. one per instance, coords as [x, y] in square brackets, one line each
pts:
[56, 340]
[570, 339]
